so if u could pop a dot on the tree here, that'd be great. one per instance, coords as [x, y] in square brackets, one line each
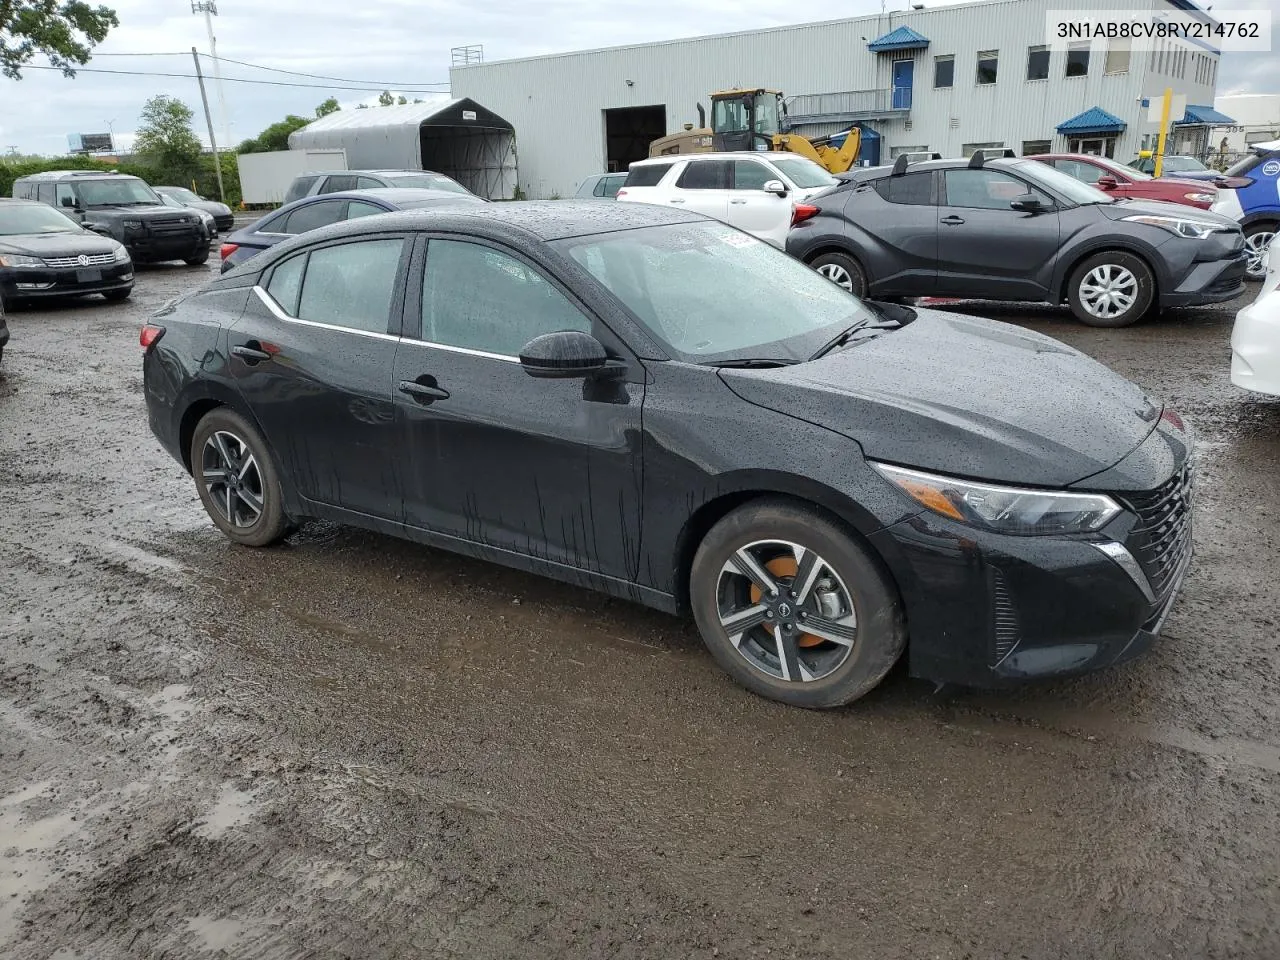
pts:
[328, 107]
[402, 99]
[275, 137]
[165, 138]
[385, 99]
[66, 33]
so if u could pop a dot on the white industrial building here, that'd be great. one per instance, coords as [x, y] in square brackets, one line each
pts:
[1257, 120]
[952, 80]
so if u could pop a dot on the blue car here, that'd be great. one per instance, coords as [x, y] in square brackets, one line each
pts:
[309, 213]
[1257, 206]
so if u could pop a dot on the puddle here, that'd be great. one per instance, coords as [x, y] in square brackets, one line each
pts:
[26, 866]
[218, 933]
[232, 808]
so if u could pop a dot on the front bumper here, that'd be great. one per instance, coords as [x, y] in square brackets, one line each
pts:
[22, 283]
[224, 223]
[1213, 281]
[1255, 345]
[156, 248]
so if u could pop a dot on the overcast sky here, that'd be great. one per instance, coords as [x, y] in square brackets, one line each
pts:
[396, 41]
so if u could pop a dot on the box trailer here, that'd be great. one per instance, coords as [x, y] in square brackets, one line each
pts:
[264, 177]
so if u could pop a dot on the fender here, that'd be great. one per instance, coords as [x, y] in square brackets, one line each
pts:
[1068, 259]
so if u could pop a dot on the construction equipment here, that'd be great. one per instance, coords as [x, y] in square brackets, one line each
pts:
[756, 120]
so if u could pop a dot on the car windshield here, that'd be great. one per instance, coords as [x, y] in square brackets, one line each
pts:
[711, 293]
[1124, 173]
[122, 192]
[180, 193]
[1172, 164]
[804, 173]
[431, 181]
[1062, 183]
[21, 218]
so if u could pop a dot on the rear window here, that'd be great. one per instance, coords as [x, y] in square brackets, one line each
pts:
[299, 188]
[912, 188]
[647, 175]
[608, 186]
[429, 181]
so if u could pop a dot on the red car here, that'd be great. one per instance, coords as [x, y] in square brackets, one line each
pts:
[1109, 176]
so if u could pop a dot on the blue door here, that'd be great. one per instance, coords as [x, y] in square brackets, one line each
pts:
[903, 73]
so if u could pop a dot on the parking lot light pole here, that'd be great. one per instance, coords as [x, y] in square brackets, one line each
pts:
[213, 143]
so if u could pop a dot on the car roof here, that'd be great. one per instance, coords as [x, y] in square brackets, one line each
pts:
[23, 202]
[725, 155]
[80, 175]
[391, 195]
[330, 173]
[953, 163]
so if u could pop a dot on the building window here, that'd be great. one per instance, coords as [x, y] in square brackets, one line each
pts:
[1078, 59]
[895, 152]
[992, 146]
[1118, 52]
[1033, 148]
[1037, 63]
[944, 71]
[988, 61]
[1093, 146]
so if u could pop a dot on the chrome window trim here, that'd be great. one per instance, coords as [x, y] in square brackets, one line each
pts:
[465, 351]
[269, 302]
[1126, 562]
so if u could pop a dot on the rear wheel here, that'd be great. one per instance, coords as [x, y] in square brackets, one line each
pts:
[1111, 289]
[842, 270]
[793, 607]
[1256, 240]
[236, 479]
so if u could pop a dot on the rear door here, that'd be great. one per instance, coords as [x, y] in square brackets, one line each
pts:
[312, 356]
[900, 216]
[703, 186]
[765, 215]
[986, 248]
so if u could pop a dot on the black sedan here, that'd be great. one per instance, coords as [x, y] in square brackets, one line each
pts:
[223, 218]
[1016, 229]
[652, 404]
[44, 253]
[309, 213]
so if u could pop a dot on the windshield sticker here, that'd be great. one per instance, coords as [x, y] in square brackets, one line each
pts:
[736, 239]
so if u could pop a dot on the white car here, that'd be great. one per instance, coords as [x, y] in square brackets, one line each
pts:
[754, 192]
[1255, 339]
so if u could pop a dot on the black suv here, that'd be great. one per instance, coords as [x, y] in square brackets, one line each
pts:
[1014, 229]
[123, 208]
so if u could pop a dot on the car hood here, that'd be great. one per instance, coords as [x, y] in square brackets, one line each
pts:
[1128, 208]
[146, 212]
[965, 396]
[57, 244]
[210, 206]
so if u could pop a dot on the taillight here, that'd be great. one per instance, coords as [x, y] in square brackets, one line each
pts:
[802, 212]
[150, 334]
[227, 249]
[621, 194]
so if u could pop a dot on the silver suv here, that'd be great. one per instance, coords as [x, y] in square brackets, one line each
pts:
[340, 181]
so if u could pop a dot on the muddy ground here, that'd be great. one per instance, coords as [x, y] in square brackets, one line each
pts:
[352, 746]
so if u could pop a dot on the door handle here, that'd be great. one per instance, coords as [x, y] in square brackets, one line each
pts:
[423, 393]
[952, 221]
[737, 201]
[251, 352]
[675, 200]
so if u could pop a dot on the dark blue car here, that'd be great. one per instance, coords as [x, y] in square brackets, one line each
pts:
[321, 210]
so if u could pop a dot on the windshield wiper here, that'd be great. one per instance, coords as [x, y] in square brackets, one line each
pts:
[750, 363]
[843, 337]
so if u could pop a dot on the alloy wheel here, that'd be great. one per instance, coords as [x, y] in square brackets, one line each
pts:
[1256, 246]
[837, 275]
[231, 475]
[786, 611]
[1108, 290]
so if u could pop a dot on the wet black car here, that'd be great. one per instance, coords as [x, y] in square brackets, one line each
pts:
[46, 254]
[652, 404]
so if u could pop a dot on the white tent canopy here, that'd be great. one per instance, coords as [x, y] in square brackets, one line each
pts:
[459, 138]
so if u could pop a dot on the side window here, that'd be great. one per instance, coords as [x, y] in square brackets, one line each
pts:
[1084, 172]
[46, 194]
[286, 282]
[647, 175]
[358, 208]
[312, 216]
[610, 186]
[598, 189]
[749, 175]
[367, 183]
[986, 189]
[913, 188]
[352, 284]
[479, 298]
[299, 188]
[338, 183]
[705, 175]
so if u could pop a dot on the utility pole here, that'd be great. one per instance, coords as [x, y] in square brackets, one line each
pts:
[210, 10]
[208, 119]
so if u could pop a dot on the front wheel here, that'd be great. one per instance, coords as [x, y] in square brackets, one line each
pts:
[1111, 289]
[1256, 240]
[198, 260]
[842, 270]
[793, 607]
[236, 479]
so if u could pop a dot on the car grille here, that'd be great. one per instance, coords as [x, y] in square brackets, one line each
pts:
[89, 260]
[1161, 541]
[171, 226]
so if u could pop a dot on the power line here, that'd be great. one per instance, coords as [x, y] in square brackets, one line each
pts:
[192, 76]
[317, 76]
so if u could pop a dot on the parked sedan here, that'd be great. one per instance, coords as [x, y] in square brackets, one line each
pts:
[605, 185]
[310, 213]
[1187, 167]
[223, 218]
[206, 218]
[1255, 338]
[1016, 229]
[44, 253]
[647, 402]
[1126, 183]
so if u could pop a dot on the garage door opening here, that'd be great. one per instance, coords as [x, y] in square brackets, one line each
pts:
[628, 131]
[473, 145]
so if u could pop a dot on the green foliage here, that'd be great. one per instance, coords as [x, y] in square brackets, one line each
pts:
[165, 142]
[275, 137]
[65, 33]
[385, 99]
[328, 107]
[204, 178]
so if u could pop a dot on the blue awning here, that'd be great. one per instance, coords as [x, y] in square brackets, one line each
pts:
[904, 38]
[1093, 120]
[1203, 117]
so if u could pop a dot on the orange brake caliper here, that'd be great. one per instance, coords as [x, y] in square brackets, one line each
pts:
[783, 567]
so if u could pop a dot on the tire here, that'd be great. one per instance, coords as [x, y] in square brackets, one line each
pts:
[842, 270]
[257, 517]
[199, 259]
[1257, 237]
[865, 610]
[115, 296]
[1131, 285]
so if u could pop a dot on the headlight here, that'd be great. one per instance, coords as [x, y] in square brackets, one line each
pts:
[1199, 197]
[1193, 229]
[121, 254]
[1016, 511]
[131, 224]
[18, 260]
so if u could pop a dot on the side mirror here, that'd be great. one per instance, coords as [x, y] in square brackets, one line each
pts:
[1027, 203]
[1107, 183]
[776, 187]
[67, 201]
[98, 228]
[563, 355]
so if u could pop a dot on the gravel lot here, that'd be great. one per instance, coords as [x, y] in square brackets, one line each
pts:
[352, 746]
